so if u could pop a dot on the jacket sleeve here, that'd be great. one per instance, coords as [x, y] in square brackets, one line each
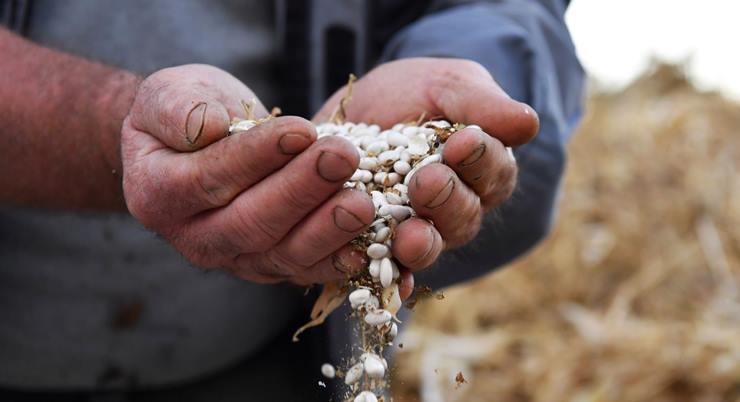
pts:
[528, 50]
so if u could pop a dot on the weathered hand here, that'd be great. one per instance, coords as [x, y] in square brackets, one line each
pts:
[478, 173]
[265, 205]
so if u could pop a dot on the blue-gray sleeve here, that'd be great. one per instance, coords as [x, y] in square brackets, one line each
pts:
[527, 48]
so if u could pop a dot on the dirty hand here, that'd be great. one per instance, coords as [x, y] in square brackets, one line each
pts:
[478, 173]
[265, 205]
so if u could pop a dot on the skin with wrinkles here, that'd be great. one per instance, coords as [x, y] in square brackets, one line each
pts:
[261, 206]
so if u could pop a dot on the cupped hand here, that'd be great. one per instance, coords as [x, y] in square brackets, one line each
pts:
[478, 173]
[266, 204]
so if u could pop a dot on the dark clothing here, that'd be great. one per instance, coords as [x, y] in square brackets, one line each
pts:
[70, 283]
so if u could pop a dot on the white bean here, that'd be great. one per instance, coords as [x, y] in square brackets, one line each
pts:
[401, 188]
[396, 139]
[377, 251]
[418, 145]
[401, 167]
[386, 272]
[354, 373]
[406, 156]
[410, 130]
[400, 212]
[374, 366]
[391, 179]
[374, 268]
[382, 234]
[373, 303]
[384, 210]
[429, 160]
[368, 163]
[378, 317]
[380, 177]
[439, 124]
[393, 198]
[378, 199]
[328, 370]
[377, 147]
[366, 396]
[358, 175]
[393, 332]
[359, 297]
[389, 156]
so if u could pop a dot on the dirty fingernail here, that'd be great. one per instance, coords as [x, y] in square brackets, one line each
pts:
[343, 266]
[430, 238]
[474, 156]
[195, 122]
[292, 144]
[443, 195]
[333, 167]
[346, 220]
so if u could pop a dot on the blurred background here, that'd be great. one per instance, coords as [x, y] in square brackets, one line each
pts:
[635, 296]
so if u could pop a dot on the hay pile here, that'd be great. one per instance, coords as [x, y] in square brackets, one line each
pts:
[636, 294]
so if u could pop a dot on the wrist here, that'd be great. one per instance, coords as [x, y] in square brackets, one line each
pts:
[115, 98]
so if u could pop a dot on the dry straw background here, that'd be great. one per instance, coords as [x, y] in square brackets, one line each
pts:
[635, 296]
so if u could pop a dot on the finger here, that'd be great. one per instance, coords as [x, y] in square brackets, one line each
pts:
[436, 193]
[186, 113]
[273, 268]
[345, 263]
[179, 185]
[417, 244]
[258, 219]
[406, 285]
[334, 224]
[481, 161]
[234, 164]
[477, 99]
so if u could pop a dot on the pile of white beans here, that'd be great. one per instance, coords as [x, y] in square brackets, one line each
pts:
[388, 160]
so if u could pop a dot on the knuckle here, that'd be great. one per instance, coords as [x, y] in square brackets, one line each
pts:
[282, 264]
[295, 197]
[462, 234]
[507, 179]
[212, 191]
[449, 75]
[472, 67]
[255, 234]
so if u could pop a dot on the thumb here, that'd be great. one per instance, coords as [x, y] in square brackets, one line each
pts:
[183, 119]
[481, 101]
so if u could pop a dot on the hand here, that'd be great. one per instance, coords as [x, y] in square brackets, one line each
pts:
[265, 205]
[478, 173]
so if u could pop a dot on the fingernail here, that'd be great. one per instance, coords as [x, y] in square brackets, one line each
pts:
[333, 167]
[443, 195]
[430, 246]
[529, 110]
[346, 220]
[195, 122]
[292, 144]
[474, 156]
[342, 267]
